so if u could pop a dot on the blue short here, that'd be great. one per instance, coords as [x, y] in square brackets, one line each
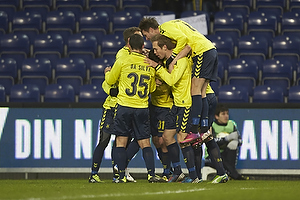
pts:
[179, 118]
[206, 65]
[157, 119]
[106, 124]
[132, 122]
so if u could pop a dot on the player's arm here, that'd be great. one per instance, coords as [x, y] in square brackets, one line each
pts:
[112, 76]
[185, 51]
[173, 77]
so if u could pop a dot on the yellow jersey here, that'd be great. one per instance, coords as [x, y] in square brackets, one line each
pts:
[161, 97]
[209, 90]
[136, 80]
[179, 80]
[112, 101]
[183, 33]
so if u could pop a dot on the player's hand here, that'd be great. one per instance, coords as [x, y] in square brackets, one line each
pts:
[158, 82]
[150, 62]
[145, 52]
[107, 69]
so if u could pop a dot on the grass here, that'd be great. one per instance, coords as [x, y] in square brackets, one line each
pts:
[81, 189]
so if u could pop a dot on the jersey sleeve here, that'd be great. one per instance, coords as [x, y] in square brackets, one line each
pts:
[176, 74]
[113, 75]
[106, 87]
[174, 33]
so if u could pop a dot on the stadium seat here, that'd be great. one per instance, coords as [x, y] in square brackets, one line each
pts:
[294, 5]
[248, 3]
[91, 93]
[123, 19]
[250, 45]
[8, 73]
[111, 44]
[225, 45]
[263, 35]
[62, 22]
[37, 72]
[27, 22]
[15, 43]
[242, 9]
[71, 3]
[297, 81]
[115, 4]
[10, 3]
[97, 69]
[96, 21]
[272, 4]
[267, 94]
[286, 45]
[49, 44]
[229, 21]
[59, 93]
[243, 72]
[24, 93]
[9, 10]
[70, 71]
[290, 22]
[48, 4]
[233, 94]
[83, 44]
[42, 10]
[276, 73]
[2, 94]
[161, 12]
[294, 94]
[261, 21]
[3, 22]
[142, 6]
[109, 10]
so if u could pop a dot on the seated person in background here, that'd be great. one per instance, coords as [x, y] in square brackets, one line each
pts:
[228, 139]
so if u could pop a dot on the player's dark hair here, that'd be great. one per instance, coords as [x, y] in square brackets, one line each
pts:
[148, 22]
[221, 108]
[163, 40]
[129, 32]
[154, 57]
[136, 42]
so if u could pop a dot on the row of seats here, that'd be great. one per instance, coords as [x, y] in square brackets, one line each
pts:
[95, 93]
[41, 72]
[53, 93]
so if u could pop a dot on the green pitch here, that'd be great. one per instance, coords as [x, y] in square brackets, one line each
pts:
[81, 189]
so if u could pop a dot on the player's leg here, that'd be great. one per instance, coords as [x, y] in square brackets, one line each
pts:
[120, 156]
[131, 150]
[104, 138]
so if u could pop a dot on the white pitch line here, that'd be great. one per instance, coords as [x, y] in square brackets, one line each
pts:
[117, 195]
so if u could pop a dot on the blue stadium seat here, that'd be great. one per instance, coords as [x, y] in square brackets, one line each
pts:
[297, 81]
[294, 94]
[115, 4]
[96, 21]
[273, 5]
[10, 3]
[286, 45]
[142, 6]
[9, 10]
[42, 10]
[84, 44]
[111, 44]
[248, 3]
[294, 5]
[110, 11]
[250, 45]
[27, 22]
[62, 22]
[15, 43]
[261, 21]
[48, 4]
[3, 22]
[277, 73]
[229, 21]
[267, 94]
[97, 69]
[48, 44]
[123, 19]
[263, 35]
[71, 3]
[59, 93]
[2, 94]
[243, 72]
[37, 72]
[24, 93]
[233, 94]
[290, 22]
[8, 73]
[91, 93]
[225, 45]
[70, 71]
[242, 9]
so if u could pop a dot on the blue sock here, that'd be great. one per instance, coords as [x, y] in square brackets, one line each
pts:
[215, 156]
[198, 160]
[149, 160]
[196, 112]
[204, 115]
[120, 160]
[174, 156]
[97, 158]
[189, 159]
[131, 150]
